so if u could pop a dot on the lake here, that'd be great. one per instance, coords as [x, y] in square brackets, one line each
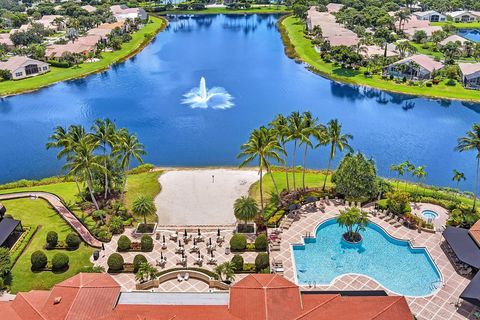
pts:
[244, 55]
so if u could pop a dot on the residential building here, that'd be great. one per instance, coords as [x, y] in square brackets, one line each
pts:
[49, 22]
[122, 12]
[418, 67]
[454, 38]
[470, 73]
[22, 67]
[430, 15]
[463, 16]
[90, 296]
[428, 31]
[334, 7]
[89, 8]
[80, 47]
[5, 40]
[332, 31]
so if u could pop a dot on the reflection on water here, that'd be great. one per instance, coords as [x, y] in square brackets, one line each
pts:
[245, 55]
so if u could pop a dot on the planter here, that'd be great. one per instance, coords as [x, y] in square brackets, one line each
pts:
[353, 242]
[152, 227]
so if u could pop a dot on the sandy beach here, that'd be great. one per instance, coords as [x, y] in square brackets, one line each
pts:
[201, 196]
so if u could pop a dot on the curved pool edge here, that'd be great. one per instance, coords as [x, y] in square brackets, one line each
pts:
[408, 242]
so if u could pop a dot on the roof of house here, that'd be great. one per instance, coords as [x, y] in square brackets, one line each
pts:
[459, 13]
[453, 38]
[5, 39]
[413, 22]
[57, 50]
[7, 225]
[89, 8]
[256, 297]
[89, 40]
[422, 60]
[427, 13]
[375, 50]
[467, 69]
[428, 30]
[15, 62]
[334, 7]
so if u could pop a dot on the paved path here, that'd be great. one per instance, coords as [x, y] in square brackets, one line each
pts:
[66, 214]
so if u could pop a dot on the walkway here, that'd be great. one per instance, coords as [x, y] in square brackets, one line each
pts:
[66, 214]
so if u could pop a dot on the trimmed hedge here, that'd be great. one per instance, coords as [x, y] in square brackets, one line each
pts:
[237, 262]
[238, 242]
[38, 260]
[52, 239]
[123, 243]
[115, 262]
[137, 261]
[22, 243]
[261, 242]
[146, 243]
[60, 262]
[73, 241]
[262, 261]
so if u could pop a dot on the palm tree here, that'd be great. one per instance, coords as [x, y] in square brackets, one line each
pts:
[399, 169]
[468, 143]
[405, 47]
[128, 147]
[354, 220]
[262, 146]
[337, 140]
[420, 174]
[280, 127]
[226, 269]
[402, 16]
[458, 177]
[295, 127]
[104, 133]
[308, 127]
[145, 272]
[143, 206]
[84, 160]
[245, 208]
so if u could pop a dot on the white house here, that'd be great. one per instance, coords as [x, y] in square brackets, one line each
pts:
[454, 38]
[418, 66]
[22, 67]
[430, 15]
[463, 16]
[470, 73]
[122, 12]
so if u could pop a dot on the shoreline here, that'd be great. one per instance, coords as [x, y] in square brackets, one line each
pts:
[4, 92]
[313, 64]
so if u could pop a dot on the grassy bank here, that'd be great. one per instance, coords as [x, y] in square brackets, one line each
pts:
[139, 40]
[252, 10]
[460, 25]
[142, 184]
[303, 50]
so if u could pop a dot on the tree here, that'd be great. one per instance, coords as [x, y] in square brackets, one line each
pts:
[399, 169]
[104, 133]
[38, 260]
[354, 220]
[405, 47]
[262, 146]
[402, 16]
[5, 262]
[471, 142]
[143, 206]
[398, 201]
[300, 10]
[245, 208]
[333, 136]
[295, 126]
[451, 52]
[281, 129]
[419, 36]
[308, 127]
[226, 271]
[458, 177]
[420, 174]
[72, 34]
[128, 147]
[356, 177]
[52, 239]
[146, 272]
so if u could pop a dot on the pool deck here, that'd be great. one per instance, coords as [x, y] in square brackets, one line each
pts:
[443, 304]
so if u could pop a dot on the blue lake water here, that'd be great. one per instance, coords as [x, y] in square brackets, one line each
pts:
[391, 262]
[471, 34]
[244, 55]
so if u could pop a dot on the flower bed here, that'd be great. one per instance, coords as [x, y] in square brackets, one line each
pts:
[22, 242]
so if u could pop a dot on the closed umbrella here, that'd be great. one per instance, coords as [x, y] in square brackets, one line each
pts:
[199, 256]
[163, 238]
[198, 231]
[161, 255]
[210, 241]
[185, 233]
[179, 243]
[211, 254]
[218, 232]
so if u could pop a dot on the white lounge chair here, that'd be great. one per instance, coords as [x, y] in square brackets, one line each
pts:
[179, 278]
[186, 276]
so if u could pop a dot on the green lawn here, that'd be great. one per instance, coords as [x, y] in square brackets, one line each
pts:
[38, 212]
[108, 58]
[460, 25]
[306, 52]
[252, 10]
[142, 184]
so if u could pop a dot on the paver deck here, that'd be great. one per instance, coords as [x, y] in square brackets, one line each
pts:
[66, 214]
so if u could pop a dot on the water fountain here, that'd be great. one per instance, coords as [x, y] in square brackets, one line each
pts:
[201, 97]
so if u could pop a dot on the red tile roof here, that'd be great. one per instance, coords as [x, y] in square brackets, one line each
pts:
[475, 232]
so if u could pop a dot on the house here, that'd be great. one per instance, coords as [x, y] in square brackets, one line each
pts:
[430, 15]
[470, 73]
[90, 296]
[5, 40]
[463, 16]
[375, 50]
[418, 66]
[89, 8]
[49, 22]
[332, 31]
[454, 38]
[58, 50]
[334, 7]
[122, 12]
[10, 229]
[428, 31]
[22, 67]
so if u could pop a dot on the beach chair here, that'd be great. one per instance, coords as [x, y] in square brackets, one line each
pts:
[198, 262]
[174, 236]
[179, 250]
[186, 277]
[179, 277]
[212, 261]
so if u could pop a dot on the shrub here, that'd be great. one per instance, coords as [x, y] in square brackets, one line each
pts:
[99, 214]
[38, 260]
[123, 243]
[428, 84]
[59, 64]
[237, 262]
[238, 242]
[115, 262]
[52, 239]
[116, 225]
[262, 261]
[2, 284]
[73, 241]
[146, 243]
[137, 261]
[398, 202]
[451, 82]
[261, 242]
[60, 261]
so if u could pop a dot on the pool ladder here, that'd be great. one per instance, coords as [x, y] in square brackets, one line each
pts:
[312, 284]
[436, 284]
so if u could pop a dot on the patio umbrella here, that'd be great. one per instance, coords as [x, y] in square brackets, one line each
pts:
[163, 238]
[198, 231]
[210, 241]
[311, 199]
[179, 243]
[199, 256]
[218, 232]
[161, 255]
[185, 233]
[194, 242]
[211, 254]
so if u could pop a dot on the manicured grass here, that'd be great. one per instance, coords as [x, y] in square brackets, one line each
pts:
[252, 10]
[108, 58]
[460, 25]
[312, 180]
[142, 184]
[38, 212]
[294, 28]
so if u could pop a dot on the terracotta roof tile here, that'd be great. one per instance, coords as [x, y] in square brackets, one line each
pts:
[475, 231]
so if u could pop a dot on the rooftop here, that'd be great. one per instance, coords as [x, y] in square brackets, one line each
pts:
[424, 61]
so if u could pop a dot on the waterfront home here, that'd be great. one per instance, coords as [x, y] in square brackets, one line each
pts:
[428, 31]
[418, 67]
[22, 67]
[454, 38]
[332, 31]
[92, 296]
[463, 16]
[58, 50]
[5, 40]
[430, 15]
[375, 50]
[89, 8]
[122, 12]
[411, 23]
[334, 7]
[470, 73]
[10, 229]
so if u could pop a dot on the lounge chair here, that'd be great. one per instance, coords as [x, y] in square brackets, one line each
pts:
[164, 246]
[179, 250]
[179, 277]
[182, 262]
[174, 236]
[212, 261]
[186, 276]
[194, 249]
[198, 262]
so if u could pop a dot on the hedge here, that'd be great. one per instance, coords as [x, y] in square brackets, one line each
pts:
[73, 241]
[115, 262]
[205, 271]
[60, 261]
[146, 243]
[123, 243]
[39, 260]
[261, 242]
[52, 239]
[262, 261]
[137, 261]
[238, 242]
[237, 262]
[22, 243]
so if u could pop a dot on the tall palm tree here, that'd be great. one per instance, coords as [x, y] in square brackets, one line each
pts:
[420, 174]
[105, 133]
[128, 147]
[402, 16]
[405, 48]
[458, 177]
[307, 129]
[143, 206]
[245, 208]
[399, 169]
[295, 127]
[337, 141]
[262, 146]
[84, 160]
[280, 127]
[468, 143]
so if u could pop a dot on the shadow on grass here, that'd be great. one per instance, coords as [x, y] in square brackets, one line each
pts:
[342, 72]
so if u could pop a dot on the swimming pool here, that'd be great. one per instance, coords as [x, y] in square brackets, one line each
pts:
[470, 34]
[391, 262]
[429, 215]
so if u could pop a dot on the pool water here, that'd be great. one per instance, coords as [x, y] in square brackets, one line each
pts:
[429, 215]
[471, 34]
[391, 262]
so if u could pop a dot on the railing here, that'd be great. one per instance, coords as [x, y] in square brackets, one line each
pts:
[436, 284]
